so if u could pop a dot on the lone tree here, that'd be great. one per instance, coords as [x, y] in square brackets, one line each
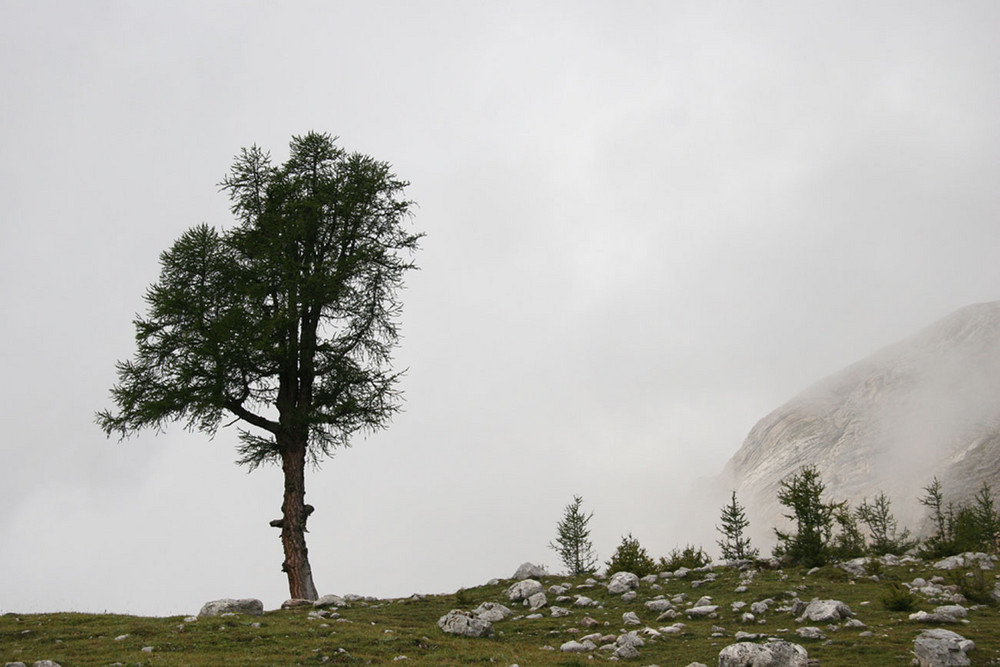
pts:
[573, 542]
[735, 544]
[284, 324]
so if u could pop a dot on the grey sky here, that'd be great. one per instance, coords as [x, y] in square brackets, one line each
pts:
[648, 224]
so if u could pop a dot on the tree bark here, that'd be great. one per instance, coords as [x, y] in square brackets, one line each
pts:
[293, 522]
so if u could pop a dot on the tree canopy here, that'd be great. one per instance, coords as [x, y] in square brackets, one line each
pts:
[285, 323]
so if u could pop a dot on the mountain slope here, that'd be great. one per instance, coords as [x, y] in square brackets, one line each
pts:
[926, 406]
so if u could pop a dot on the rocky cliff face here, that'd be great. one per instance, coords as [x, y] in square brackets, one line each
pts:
[926, 406]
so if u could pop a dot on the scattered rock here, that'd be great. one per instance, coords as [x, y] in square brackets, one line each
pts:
[810, 632]
[621, 582]
[967, 559]
[296, 603]
[491, 611]
[626, 652]
[463, 623]
[631, 618]
[330, 601]
[659, 605]
[574, 646]
[530, 571]
[772, 654]
[249, 606]
[523, 590]
[702, 611]
[536, 601]
[825, 611]
[952, 613]
[559, 612]
[942, 648]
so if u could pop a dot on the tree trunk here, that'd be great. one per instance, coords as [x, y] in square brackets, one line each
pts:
[293, 523]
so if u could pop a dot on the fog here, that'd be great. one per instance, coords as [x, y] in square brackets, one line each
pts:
[648, 225]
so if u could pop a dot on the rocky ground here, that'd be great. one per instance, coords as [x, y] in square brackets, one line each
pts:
[887, 611]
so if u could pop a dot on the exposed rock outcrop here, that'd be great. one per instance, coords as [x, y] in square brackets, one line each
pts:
[924, 407]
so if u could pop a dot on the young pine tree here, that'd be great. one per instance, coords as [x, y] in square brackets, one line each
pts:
[810, 545]
[735, 545]
[573, 542]
[883, 527]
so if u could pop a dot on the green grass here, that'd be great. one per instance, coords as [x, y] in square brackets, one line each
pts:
[378, 632]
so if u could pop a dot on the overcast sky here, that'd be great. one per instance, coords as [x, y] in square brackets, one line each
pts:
[648, 224]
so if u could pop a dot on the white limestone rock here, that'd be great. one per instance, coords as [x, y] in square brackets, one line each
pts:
[825, 611]
[329, 601]
[492, 612]
[248, 606]
[621, 582]
[463, 623]
[771, 654]
[523, 590]
[530, 571]
[536, 601]
[942, 648]
[702, 611]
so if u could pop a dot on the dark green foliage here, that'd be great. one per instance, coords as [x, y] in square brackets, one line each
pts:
[975, 584]
[899, 598]
[294, 310]
[810, 545]
[885, 538]
[972, 527]
[573, 542]
[285, 323]
[630, 556]
[735, 545]
[690, 557]
[849, 542]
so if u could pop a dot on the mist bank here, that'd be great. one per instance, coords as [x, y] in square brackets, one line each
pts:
[927, 406]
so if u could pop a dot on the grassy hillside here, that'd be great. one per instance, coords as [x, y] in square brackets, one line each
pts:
[379, 632]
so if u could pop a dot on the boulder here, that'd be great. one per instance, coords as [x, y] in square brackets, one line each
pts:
[491, 611]
[810, 632]
[950, 613]
[942, 648]
[536, 601]
[626, 652]
[659, 605]
[530, 571]
[249, 606]
[702, 611]
[621, 582]
[631, 618]
[825, 611]
[771, 654]
[967, 559]
[574, 646]
[523, 590]
[329, 601]
[296, 603]
[463, 623]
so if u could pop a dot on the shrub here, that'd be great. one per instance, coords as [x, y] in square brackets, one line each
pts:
[630, 556]
[690, 557]
[899, 598]
[974, 584]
